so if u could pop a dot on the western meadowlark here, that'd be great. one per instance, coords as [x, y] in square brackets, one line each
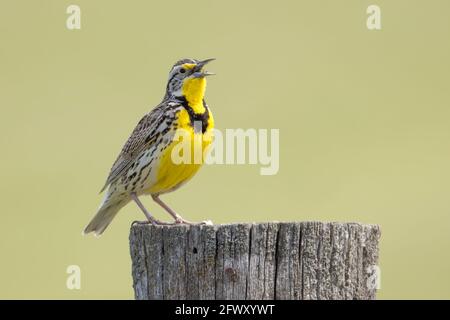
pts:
[145, 166]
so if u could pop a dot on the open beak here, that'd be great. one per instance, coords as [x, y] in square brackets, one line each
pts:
[199, 73]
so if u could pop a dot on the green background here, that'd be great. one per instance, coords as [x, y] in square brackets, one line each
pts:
[363, 117]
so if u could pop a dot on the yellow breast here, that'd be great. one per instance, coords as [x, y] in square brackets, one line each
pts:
[172, 175]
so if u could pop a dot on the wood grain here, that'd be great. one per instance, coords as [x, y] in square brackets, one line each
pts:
[295, 260]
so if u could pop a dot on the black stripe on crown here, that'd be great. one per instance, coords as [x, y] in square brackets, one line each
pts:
[183, 61]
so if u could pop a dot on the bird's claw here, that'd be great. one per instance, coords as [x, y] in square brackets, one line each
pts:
[136, 222]
[153, 222]
[203, 223]
[176, 222]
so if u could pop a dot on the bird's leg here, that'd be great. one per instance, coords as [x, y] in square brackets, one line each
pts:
[150, 218]
[176, 216]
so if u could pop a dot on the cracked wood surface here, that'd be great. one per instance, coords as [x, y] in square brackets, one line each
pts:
[298, 260]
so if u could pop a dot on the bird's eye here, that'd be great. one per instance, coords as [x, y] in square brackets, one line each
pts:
[182, 70]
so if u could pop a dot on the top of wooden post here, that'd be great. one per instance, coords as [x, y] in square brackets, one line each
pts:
[271, 260]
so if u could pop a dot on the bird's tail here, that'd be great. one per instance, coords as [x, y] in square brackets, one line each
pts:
[104, 216]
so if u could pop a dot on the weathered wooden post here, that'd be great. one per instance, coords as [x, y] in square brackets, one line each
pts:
[299, 260]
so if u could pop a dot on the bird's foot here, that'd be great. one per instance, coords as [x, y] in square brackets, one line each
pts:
[180, 220]
[154, 222]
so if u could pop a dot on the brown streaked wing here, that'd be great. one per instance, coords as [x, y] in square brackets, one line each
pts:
[141, 137]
